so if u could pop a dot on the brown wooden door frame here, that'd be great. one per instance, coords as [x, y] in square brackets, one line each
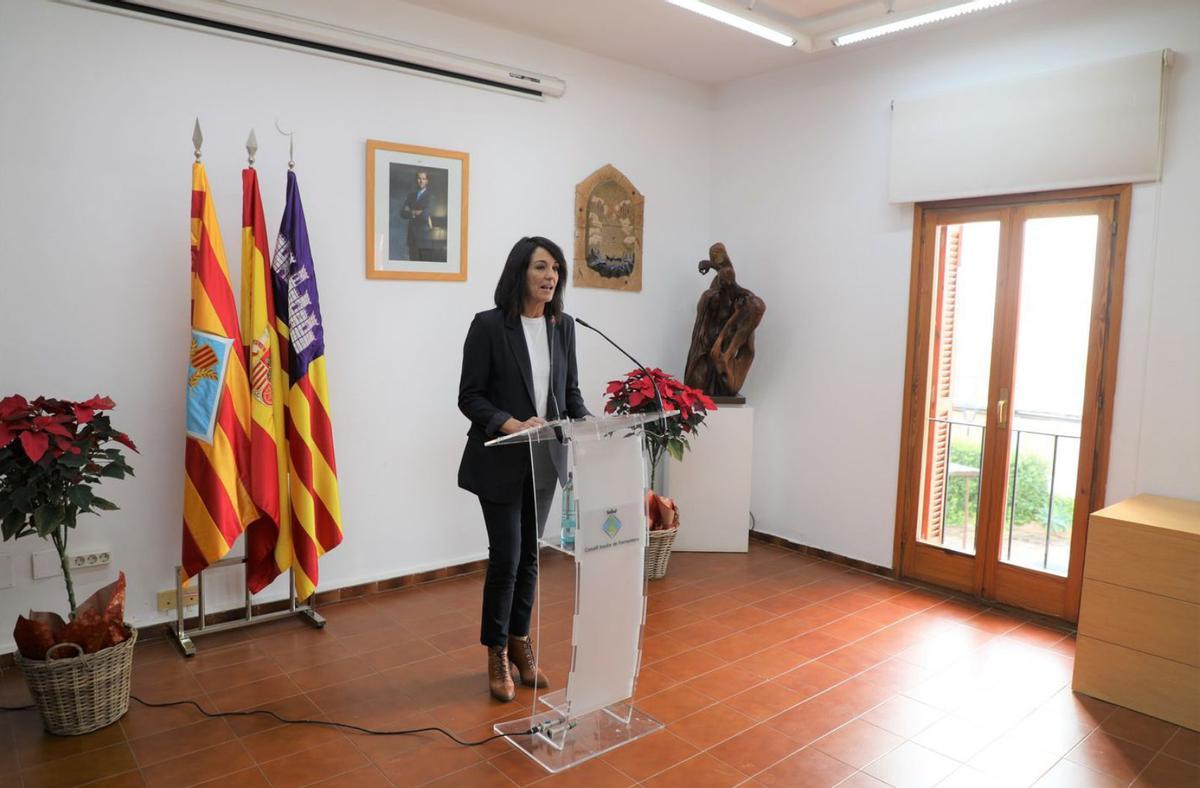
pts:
[983, 574]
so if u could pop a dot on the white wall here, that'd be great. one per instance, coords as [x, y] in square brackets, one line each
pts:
[800, 185]
[96, 114]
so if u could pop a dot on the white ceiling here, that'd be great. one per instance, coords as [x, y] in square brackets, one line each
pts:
[656, 35]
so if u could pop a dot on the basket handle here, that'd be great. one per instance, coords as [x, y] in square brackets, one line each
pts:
[75, 646]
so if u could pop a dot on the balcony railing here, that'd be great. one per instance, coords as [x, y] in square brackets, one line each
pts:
[1038, 459]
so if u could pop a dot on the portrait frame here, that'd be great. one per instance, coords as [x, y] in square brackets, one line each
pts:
[417, 201]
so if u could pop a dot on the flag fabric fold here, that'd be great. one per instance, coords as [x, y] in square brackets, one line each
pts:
[216, 500]
[266, 556]
[316, 520]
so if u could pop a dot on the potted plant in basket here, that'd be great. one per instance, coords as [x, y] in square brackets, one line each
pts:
[52, 454]
[635, 394]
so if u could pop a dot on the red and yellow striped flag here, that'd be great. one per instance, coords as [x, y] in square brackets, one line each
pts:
[216, 501]
[316, 513]
[266, 558]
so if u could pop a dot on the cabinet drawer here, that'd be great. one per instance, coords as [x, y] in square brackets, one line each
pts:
[1152, 685]
[1157, 560]
[1145, 622]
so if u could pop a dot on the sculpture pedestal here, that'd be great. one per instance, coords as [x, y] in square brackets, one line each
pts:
[712, 484]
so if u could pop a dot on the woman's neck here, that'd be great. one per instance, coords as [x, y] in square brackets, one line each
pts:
[534, 309]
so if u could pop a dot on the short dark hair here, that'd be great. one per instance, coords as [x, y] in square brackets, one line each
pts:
[510, 290]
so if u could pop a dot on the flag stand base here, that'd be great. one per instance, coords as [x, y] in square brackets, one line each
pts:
[183, 637]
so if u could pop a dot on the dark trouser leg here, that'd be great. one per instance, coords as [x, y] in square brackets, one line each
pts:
[503, 521]
[525, 589]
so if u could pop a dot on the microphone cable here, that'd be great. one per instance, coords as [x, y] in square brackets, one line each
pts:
[536, 729]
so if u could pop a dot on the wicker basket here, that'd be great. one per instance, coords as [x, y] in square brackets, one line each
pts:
[83, 693]
[658, 552]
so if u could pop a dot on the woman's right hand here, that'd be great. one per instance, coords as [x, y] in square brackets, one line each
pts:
[512, 425]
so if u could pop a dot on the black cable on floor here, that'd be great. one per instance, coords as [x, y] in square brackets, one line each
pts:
[348, 726]
[284, 720]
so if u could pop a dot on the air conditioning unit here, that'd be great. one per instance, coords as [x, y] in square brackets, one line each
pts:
[273, 28]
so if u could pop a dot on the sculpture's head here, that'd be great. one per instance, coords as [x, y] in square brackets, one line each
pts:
[718, 260]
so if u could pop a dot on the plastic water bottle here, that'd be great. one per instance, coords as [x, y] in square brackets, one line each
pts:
[570, 513]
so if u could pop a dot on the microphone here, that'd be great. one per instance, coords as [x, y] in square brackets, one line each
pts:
[662, 412]
[553, 343]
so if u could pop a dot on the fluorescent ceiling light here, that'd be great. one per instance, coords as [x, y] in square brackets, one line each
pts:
[915, 21]
[734, 20]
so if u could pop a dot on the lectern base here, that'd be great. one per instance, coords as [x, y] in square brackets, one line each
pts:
[566, 743]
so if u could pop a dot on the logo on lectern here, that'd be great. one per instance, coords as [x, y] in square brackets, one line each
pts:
[612, 524]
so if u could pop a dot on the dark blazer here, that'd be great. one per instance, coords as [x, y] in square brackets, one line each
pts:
[497, 384]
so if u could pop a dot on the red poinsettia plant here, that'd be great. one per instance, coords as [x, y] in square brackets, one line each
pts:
[53, 453]
[635, 394]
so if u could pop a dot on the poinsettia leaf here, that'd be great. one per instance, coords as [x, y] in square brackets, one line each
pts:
[83, 414]
[80, 496]
[35, 444]
[113, 470]
[102, 503]
[13, 406]
[13, 524]
[47, 518]
[675, 447]
[22, 498]
[99, 403]
[73, 460]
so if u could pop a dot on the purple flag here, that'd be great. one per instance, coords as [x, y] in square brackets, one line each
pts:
[296, 286]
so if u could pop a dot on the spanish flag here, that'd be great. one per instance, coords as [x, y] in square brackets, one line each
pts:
[216, 501]
[266, 557]
[316, 518]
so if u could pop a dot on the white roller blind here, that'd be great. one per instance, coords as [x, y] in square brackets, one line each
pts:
[1086, 126]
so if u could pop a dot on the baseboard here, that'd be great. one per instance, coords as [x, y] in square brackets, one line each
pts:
[817, 552]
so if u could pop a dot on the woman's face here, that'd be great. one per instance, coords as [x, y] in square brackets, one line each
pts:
[541, 277]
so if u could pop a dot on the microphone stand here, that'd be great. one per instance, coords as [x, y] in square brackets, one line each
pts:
[662, 411]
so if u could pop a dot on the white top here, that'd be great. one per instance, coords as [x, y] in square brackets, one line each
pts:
[539, 359]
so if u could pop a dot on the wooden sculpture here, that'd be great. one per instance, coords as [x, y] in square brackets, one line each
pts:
[723, 338]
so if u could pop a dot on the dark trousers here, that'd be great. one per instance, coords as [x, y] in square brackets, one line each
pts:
[511, 582]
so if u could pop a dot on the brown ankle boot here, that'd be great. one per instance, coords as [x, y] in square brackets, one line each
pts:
[520, 653]
[499, 678]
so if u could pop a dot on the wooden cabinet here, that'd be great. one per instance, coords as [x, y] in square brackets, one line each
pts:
[1139, 617]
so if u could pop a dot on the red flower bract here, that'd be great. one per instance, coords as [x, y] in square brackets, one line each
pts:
[99, 403]
[14, 407]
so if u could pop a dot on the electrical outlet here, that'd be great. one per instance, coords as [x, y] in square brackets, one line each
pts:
[85, 560]
[166, 599]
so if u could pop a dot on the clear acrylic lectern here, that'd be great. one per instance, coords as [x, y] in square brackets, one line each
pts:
[595, 712]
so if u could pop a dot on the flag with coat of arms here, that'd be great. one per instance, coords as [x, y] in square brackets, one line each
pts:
[216, 500]
[316, 519]
[266, 556]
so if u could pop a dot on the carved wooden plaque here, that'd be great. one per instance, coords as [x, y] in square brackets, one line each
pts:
[608, 231]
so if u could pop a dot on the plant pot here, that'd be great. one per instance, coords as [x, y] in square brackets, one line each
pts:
[658, 552]
[83, 693]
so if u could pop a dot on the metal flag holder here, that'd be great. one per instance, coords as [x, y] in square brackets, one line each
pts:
[183, 637]
[306, 612]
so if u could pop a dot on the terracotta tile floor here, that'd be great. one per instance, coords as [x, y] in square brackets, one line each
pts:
[769, 668]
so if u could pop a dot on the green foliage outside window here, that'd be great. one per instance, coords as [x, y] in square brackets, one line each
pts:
[1032, 494]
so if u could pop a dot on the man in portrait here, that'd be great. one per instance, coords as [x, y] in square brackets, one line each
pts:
[417, 208]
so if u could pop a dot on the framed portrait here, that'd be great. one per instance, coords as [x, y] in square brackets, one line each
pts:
[416, 212]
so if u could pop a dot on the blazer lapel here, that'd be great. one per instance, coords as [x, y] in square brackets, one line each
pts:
[520, 352]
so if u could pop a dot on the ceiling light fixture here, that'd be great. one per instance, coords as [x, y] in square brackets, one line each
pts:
[735, 20]
[916, 21]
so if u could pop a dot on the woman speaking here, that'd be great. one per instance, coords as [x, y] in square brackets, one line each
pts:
[518, 370]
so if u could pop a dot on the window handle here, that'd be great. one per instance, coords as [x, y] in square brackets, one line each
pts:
[1002, 408]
